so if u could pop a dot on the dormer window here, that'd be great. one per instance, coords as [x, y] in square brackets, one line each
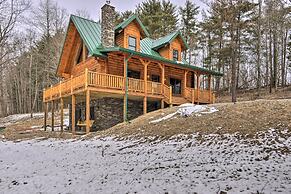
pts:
[132, 43]
[175, 55]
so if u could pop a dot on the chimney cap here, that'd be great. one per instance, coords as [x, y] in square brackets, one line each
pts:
[108, 2]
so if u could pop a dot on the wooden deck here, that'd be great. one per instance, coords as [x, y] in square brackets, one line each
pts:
[115, 85]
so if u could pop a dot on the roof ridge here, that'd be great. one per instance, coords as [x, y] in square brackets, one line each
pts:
[84, 18]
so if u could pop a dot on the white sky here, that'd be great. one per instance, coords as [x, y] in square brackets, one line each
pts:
[94, 6]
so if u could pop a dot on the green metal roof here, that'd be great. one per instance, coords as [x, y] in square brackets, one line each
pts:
[89, 31]
[126, 22]
[168, 39]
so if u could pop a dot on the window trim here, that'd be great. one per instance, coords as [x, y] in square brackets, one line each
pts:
[131, 46]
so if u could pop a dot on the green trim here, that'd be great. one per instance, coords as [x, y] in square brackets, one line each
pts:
[125, 118]
[126, 22]
[185, 65]
[168, 39]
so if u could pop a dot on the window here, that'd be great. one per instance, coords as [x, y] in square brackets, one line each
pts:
[133, 74]
[80, 55]
[176, 85]
[175, 55]
[155, 78]
[132, 43]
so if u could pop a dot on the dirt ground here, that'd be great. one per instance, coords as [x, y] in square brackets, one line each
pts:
[243, 117]
[254, 94]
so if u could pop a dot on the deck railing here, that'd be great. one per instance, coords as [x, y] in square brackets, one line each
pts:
[105, 80]
[117, 83]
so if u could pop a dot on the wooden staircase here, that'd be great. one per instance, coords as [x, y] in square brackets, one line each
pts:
[179, 100]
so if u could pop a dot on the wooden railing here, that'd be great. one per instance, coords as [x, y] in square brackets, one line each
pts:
[105, 80]
[189, 94]
[135, 85]
[168, 94]
[117, 83]
[154, 88]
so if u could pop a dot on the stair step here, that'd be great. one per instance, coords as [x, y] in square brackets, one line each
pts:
[179, 100]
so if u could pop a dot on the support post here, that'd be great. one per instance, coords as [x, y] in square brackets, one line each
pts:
[86, 78]
[125, 102]
[87, 111]
[209, 88]
[171, 96]
[45, 115]
[198, 87]
[62, 115]
[193, 96]
[71, 84]
[162, 104]
[145, 75]
[73, 114]
[53, 115]
[185, 83]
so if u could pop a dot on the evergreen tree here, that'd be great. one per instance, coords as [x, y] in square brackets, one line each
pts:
[158, 16]
[189, 26]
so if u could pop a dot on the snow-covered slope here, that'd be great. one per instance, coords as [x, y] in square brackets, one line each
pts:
[182, 164]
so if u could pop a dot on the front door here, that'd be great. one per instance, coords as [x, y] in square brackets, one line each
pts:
[176, 85]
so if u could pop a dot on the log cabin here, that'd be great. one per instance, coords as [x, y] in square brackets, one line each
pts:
[112, 74]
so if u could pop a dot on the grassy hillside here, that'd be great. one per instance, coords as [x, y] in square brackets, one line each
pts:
[244, 117]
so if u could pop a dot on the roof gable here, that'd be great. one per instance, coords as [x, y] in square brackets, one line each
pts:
[89, 31]
[126, 22]
[168, 39]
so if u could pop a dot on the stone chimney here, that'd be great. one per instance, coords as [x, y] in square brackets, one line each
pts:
[107, 25]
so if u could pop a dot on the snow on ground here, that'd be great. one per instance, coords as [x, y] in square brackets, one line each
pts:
[5, 121]
[182, 164]
[188, 109]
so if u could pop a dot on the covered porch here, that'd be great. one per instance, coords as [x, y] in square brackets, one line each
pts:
[90, 85]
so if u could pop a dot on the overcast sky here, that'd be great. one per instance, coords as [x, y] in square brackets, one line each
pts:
[93, 6]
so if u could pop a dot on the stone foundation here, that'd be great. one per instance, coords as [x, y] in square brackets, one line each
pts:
[107, 112]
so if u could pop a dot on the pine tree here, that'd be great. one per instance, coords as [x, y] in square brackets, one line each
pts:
[158, 16]
[189, 26]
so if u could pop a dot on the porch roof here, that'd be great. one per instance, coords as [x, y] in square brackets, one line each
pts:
[183, 64]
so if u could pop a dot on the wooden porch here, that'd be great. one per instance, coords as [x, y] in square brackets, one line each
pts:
[107, 84]
[91, 85]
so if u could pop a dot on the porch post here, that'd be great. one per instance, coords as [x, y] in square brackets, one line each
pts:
[209, 88]
[145, 74]
[125, 99]
[73, 114]
[171, 96]
[162, 67]
[62, 115]
[198, 87]
[87, 111]
[185, 83]
[53, 115]
[162, 104]
[45, 115]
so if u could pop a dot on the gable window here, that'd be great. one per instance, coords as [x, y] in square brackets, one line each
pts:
[175, 55]
[80, 56]
[132, 43]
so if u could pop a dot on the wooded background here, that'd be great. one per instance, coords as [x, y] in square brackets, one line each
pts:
[248, 40]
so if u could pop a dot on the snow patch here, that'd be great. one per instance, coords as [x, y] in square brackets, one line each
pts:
[188, 109]
[183, 164]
